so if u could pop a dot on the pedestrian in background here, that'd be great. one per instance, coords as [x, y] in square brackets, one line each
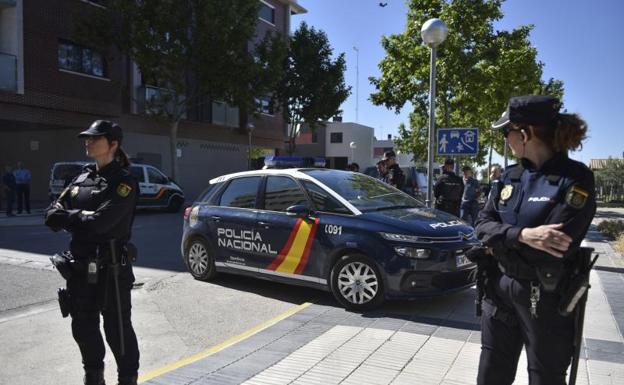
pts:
[395, 177]
[354, 167]
[470, 199]
[8, 183]
[448, 189]
[97, 208]
[22, 180]
[533, 224]
[382, 172]
[495, 174]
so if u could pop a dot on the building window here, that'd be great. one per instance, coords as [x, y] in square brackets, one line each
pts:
[73, 57]
[267, 12]
[335, 137]
[225, 115]
[265, 105]
[315, 137]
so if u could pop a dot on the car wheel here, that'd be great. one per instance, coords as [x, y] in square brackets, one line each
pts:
[200, 261]
[356, 283]
[175, 204]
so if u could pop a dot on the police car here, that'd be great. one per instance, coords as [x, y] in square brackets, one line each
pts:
[156, 190]
[335, 230]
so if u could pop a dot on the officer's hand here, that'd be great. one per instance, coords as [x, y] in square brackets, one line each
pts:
[547, 238]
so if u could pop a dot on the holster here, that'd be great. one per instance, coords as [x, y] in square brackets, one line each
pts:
[550, 276]
[131, 252]
[64, 301]
[64, 262]
[577, 285]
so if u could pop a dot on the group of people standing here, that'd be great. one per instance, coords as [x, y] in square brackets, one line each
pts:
[460, 195]
[16, 185]
[389, 170]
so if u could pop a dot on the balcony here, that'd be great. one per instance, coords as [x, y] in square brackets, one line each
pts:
[8, 72]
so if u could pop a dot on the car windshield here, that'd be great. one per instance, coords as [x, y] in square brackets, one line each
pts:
[67, 171]
[363, 192]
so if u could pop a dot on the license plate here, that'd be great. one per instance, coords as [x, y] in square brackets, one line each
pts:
[462, 260]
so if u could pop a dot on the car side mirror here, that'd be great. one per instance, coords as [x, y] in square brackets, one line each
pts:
[299, 211]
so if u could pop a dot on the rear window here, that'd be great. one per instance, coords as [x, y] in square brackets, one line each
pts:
[67, 172]
[137, 173]
[241, 192]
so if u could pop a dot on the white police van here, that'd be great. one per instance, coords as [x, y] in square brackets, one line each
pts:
[156, 189]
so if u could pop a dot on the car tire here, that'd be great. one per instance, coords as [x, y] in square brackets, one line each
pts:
[199, 257]
[175, 204]
[356, 283]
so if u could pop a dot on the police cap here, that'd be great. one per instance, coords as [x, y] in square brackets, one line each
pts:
[530, 109]
[103, 128]
[449, 162]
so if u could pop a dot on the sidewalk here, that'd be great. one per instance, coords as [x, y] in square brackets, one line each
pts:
[33, 219]
[439, 343]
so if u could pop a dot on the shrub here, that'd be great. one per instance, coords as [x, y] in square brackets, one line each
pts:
[611, 229]
[619, 244]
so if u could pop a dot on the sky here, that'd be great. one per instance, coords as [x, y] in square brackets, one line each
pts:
[579, 41]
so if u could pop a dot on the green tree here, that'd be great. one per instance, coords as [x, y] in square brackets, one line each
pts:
[313, 86]
[193, 52]
[479, 69]
[610, 180]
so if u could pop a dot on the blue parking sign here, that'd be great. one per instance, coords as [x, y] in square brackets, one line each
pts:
[458, 141]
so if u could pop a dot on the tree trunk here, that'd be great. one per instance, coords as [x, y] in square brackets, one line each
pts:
[173, 138]
[490, 159]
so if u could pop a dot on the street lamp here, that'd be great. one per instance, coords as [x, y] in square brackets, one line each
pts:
[433, 33]
[352, 146]
[250, 127]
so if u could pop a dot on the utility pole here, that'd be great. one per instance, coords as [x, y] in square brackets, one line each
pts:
[357, 82]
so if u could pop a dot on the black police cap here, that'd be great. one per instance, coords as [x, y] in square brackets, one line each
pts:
[530, 109]
[103, 128]
[388, 155]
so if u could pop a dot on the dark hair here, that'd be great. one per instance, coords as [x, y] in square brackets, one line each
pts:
[567, 133]
[120, 154]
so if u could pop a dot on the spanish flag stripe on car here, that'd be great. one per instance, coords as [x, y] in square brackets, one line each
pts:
[294, 255]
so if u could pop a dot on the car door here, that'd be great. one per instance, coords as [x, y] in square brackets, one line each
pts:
[292, 239]
[156, 191]
[234, 225]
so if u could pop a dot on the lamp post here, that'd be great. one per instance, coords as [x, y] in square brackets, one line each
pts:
[352, 146]
[250, 127]
[433, 33]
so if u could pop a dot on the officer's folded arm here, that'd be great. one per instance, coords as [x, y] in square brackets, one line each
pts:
[106, 216]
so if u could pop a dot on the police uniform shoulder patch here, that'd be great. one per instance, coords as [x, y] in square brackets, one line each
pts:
[506, 192]
[123, 190]
[576, 197]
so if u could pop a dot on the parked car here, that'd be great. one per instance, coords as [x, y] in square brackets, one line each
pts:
[340, 231]
[156, 190]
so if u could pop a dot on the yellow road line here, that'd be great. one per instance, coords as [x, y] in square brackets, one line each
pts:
[227, 343]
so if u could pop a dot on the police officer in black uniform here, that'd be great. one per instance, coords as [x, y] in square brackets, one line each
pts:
[97, 207]
[395, 176]
[533, 224]
[449, 189]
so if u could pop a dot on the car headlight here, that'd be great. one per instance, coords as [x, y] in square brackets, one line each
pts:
[399, 237]
[412, 252]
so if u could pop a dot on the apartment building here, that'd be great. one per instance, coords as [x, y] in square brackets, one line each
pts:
[51, 88]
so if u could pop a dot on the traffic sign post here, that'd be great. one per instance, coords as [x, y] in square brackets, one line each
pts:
[458, 141]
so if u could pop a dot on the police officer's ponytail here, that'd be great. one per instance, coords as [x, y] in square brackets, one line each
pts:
[567, 133]
[122, 158]
[570, 132]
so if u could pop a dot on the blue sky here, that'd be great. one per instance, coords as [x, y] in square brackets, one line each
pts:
[579, 41]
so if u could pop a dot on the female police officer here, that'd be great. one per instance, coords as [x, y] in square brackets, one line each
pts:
[97, 207]
[533, 225]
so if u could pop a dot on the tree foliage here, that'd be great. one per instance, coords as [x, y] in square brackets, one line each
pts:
[194, 51]
[610, 180]
[479, 69]
[313, 86]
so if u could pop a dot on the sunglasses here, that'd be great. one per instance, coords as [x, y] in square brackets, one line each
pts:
[508, 129]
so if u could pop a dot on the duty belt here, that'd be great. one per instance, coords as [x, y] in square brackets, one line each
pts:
[518, 270]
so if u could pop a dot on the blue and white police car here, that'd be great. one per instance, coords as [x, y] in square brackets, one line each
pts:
[346, 232]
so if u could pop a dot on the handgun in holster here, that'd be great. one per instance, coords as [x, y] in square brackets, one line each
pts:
[484, 261]
[64, 300]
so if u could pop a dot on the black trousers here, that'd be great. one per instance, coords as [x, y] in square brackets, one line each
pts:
[548, 339]
[10, 198]
[91, 300]
[23, 197]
